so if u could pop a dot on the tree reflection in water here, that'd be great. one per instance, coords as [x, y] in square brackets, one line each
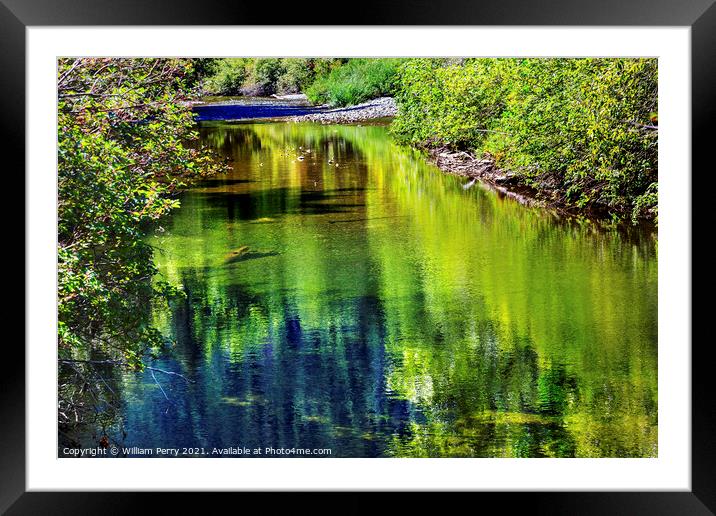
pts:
[386, 311]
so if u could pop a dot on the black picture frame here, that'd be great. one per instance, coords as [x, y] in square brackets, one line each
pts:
[699, 15]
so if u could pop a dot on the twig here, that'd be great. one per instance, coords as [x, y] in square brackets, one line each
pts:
[463, 153]
[106, 384]
[170, 372]
[68, 72]
[120, 108]
[117, 362]
[643, 126]
[159, 385]
[491, 131]
[71, 361]
[88, 94]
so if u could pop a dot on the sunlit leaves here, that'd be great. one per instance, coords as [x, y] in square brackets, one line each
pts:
[124, 133]
[583, 127]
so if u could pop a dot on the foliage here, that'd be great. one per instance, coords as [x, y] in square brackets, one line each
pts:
[202, 67]
[297, 75]
[356, 81]
[585, 129]
[266, 76]
[261, 76]
[124, 134]
[228, 76]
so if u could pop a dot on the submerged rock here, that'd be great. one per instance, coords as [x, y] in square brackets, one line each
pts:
[245, 253]
[236, 254]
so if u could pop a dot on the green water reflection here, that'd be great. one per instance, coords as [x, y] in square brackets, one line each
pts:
[360, 300]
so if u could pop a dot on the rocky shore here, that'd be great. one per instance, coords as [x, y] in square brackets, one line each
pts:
[383, 107]
[508, 184]
[484, 170]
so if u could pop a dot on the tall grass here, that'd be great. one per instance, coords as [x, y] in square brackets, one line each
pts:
[356, 81]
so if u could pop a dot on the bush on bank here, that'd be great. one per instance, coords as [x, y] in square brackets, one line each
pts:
[226, 76]
[584, 129]
[123, 150]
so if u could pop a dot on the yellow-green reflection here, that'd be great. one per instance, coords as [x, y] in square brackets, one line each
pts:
[378, 308]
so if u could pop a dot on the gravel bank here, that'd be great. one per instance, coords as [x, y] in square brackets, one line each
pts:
[383, 107]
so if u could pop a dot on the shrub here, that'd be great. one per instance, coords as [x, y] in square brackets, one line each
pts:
[324, 66]
[297, 75]
[585, 126]
[262, 76]
[228, 76]
[447, 104]
[124, 135]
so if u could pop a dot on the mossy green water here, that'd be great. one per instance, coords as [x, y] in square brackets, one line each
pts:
[387, 311]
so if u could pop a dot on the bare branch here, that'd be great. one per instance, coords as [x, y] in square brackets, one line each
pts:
[120, 363]
[170, 373]
[159, 385]
[68, 72]
[643, 126]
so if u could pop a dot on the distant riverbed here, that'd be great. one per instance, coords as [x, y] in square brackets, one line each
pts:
[252, 108]
[295, 108]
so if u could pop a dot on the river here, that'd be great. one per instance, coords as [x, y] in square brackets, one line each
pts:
[344, 295]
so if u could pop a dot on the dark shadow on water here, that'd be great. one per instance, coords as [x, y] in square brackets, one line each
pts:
[345, 221]
[218, 182]
[251, 206]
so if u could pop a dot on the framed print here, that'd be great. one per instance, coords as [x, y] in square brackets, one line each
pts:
[426, 251]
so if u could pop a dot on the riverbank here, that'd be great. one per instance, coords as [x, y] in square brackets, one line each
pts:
[582, 132]
[383, 107]
[545, 192]
[508, 184]
[484, 170]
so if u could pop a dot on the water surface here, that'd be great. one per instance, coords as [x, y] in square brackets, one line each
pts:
[242, 108]
[358, 299]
